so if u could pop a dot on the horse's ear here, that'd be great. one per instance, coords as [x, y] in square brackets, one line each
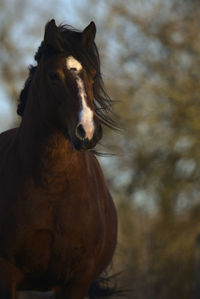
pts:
[51, 35]
[88, 35]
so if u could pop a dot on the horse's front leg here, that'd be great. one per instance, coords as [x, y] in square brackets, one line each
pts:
[10, 277]
[77, 287]
[73, 290]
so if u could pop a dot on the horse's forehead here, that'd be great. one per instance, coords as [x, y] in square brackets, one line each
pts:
[73, 64]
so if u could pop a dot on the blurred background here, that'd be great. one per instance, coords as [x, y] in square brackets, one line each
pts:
[150, 57]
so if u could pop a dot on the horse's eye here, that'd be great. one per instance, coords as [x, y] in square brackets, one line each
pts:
[54, 76]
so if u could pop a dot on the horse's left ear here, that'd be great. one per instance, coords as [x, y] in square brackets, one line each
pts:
[88, 35]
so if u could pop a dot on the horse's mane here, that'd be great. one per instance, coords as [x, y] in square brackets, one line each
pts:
[69, 40]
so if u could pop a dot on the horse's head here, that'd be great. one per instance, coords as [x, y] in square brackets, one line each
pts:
[68, 85]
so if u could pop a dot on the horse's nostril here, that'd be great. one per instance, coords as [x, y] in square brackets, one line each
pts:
[80, 132]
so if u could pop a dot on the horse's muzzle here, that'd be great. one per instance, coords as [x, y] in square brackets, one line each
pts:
[81, 142]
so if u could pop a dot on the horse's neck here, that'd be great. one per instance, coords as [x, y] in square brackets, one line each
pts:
[43, 151]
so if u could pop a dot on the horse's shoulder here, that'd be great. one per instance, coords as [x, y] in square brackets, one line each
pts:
[94, 165]
[97, 175]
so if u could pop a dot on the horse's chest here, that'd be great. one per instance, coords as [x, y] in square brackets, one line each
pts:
[66, 215]
[58, 231]
[62, 210]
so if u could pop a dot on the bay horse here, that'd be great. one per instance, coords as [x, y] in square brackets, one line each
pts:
[58, 224]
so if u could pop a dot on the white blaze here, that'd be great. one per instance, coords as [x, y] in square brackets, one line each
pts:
[73, 64]
[86, 114]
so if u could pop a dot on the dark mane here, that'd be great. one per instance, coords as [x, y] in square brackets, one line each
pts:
[69, 41]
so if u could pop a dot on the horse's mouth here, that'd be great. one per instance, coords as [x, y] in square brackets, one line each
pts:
[83, 144]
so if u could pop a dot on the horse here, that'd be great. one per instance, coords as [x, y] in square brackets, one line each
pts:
[58, 222]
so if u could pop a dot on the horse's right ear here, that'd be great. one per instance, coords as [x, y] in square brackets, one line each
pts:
[51, 35]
